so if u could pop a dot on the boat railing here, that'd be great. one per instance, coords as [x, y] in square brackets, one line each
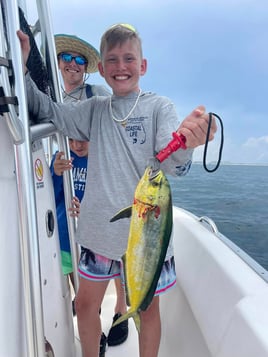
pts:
[211, 224]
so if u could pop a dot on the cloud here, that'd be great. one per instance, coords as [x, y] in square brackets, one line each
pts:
[256, 149]
[253, 151]
[252, 143]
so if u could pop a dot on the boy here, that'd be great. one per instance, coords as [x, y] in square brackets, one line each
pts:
[125, 131]
[77, 59]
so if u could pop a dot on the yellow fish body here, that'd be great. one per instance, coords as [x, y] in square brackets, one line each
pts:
[149, 236]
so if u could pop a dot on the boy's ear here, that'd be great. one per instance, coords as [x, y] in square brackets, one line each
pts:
[100, 67]
[143, 66]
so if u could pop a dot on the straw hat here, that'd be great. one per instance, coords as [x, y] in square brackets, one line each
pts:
[65, 43]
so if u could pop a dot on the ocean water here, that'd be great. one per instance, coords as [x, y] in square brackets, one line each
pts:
[235, 197]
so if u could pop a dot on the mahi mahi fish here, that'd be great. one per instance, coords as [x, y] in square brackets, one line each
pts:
[149, 236]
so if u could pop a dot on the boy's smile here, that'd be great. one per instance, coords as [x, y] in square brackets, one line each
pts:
[122, 67]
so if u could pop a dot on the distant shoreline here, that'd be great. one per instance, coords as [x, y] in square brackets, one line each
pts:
[230, 163]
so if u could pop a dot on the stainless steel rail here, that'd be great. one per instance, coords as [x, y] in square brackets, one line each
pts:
[49, 45]
[26, 196]
[211, 224]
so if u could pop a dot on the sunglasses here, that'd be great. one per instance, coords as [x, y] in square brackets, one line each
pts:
[67, 57]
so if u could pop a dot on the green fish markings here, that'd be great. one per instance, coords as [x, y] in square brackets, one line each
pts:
[149, 236]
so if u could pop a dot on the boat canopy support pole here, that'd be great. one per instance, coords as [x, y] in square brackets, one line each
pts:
[26, 198]
[48, 45]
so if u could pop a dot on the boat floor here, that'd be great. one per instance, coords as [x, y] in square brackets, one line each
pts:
[130, 347]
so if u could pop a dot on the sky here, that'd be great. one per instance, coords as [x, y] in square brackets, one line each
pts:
[208, 52]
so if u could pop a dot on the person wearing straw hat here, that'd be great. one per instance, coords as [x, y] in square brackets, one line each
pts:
[76, 60]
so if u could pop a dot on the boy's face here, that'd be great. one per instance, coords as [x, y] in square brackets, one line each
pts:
[122, 67]
[80, 148]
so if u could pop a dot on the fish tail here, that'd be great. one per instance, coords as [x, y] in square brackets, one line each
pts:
[137, 321]
[134, 314]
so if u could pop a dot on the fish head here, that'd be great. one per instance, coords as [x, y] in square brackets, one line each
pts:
[153, 189]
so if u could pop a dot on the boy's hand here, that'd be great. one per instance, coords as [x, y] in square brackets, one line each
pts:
[60, 164]
[75, 207]
[194, 127]
[25, 46]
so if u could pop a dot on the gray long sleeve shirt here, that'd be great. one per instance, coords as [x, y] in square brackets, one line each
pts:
[117, 156]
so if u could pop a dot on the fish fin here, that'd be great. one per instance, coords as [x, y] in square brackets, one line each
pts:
[123, 213]
[134, 314]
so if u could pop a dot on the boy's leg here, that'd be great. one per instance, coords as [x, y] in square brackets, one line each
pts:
[119, 333]
[88, 301]
[120, 297]
[150, 333]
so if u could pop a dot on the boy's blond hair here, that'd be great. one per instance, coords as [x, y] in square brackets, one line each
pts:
[119, 34]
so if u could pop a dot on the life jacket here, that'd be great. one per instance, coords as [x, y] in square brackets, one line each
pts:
[89, 93]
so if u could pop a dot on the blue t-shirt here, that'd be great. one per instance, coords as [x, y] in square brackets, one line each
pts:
[79, 178]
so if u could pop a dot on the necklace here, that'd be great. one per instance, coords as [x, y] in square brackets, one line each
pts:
[123, 121]
[72, 96]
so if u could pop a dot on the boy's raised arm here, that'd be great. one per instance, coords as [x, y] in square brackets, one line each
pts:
[25, 47]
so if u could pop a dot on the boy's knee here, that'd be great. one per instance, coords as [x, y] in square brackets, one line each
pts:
[83, 305]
